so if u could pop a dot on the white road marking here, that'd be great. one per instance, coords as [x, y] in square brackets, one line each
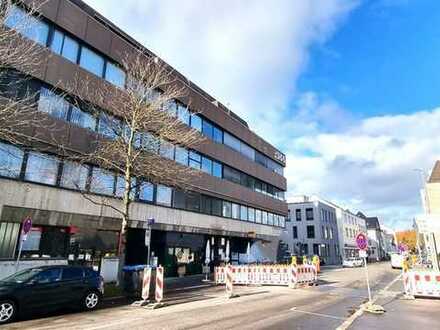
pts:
[348, 322]
[293, 309]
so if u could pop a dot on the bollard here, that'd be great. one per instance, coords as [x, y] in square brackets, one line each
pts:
[293, 277]
[159, 284]
[146, 284]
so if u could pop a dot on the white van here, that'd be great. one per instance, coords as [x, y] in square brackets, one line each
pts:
[396, 261]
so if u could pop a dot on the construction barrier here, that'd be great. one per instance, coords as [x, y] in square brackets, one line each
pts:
[229, 281]
[288, 275]
[159, 284]
[146, 283]
[425, 283]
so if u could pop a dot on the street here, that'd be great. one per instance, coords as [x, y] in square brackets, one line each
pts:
[327, 306]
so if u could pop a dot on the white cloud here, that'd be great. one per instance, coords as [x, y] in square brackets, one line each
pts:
[369, 165]
[245, 53]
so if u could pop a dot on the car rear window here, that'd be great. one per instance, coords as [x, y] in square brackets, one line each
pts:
[72, 273]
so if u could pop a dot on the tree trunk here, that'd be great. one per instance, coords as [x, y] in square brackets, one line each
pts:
[126, 206]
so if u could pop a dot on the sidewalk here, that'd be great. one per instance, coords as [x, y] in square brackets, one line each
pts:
[401, 314]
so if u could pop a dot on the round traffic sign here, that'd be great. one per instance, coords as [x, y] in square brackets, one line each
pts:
[27, 225]
[362, 241]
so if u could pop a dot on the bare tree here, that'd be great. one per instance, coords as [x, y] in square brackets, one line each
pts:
[138, 139]
[20, 57]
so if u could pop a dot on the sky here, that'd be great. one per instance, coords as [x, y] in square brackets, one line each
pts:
[347, 89]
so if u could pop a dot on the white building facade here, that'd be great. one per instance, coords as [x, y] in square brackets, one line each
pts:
[349, 225]
[312, 229]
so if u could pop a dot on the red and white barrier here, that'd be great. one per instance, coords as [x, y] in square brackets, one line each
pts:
[424, 283]
[159, 284]
[229, 281]
[286, 275]
[146, 283]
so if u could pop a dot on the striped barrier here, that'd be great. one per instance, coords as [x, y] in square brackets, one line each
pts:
[146, 283]
[424, 283]
[229, 281]
[288, 275]
[159, 284]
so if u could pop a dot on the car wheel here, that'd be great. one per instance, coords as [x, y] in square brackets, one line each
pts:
[7, 311]
[91, 300]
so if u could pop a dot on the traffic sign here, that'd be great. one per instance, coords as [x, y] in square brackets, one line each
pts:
[362, 241]
[403, 247]
[27, 225]
[363, 254]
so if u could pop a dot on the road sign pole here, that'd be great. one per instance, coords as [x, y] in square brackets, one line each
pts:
[17, 263]
[368, 280]
[25, 229]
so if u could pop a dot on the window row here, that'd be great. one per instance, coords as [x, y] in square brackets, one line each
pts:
[218, 135]
[50, 170]
[209, 205]
[64, 45]
[309, 214]
[59, 107]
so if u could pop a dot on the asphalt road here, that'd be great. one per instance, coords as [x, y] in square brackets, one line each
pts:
[326, 306]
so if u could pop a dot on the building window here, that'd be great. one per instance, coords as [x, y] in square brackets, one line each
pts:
[207, 129]
[109, 126]
[65, 46]
[41, 168]
[164, 194]
[310, 231]
[9, 233]
[195, 160]
[264, 217]
[196, 122]
[120, 187]
[182, 156]
[11, 159]
[29, 26]
[247, 151]
[146, 191]
[305, 248]
[217, 207]
[217, 169]
[270, 220]
[53, 104]
[298, 214]
[183, 114]
[207, 165]
[235, 211]
[115, 75]
[193, 201]
[295, 232]
[227, 209]
[83, 119]
[206, 204]
[325, 232]
[166, 150]
[103, 182]
[316, 249]
[251, 214]
[74, 176]
[231, 175]
[91, 61]
[331, 233]
[243, 213]
[258, 216]
[231, 141]
[217, 135]
[309, 214]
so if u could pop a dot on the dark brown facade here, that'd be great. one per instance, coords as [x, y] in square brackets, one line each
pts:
[89, 26]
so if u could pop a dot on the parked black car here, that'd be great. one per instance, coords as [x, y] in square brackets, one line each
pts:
[47, 288]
